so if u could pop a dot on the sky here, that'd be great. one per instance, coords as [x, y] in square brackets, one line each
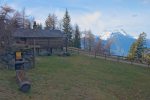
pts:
[99, 16]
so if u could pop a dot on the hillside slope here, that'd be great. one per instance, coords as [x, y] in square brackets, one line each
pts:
[79, 78]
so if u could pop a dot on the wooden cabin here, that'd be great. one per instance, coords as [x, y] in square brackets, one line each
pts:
[41, 39]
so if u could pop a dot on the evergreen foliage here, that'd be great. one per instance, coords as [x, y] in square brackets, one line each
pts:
[34, 25]
[137, 48]
[141, 42]
[67, 28]
[77, 39]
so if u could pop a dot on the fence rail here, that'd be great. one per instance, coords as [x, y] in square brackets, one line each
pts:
[115, 58]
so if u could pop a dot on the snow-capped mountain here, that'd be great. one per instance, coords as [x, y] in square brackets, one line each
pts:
[109, 34]
[121, 41]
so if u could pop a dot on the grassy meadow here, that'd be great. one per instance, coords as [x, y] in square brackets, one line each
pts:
[79, 78]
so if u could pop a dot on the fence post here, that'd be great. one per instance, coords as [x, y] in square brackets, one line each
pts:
[131, 62]
[34, 51]
[105, 56]
[117, 58]
[95, 54]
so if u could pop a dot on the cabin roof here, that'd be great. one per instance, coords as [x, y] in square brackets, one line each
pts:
[38, 33]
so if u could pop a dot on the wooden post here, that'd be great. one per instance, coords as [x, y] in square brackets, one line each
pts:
[49, 49]
[34, 53]
[131, 62]
[66, 43]
[117, 58]
[38, 51]
[105, 56]
[95, 53]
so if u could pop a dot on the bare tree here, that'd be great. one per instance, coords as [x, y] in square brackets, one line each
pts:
[98, 47]
[5, 26]
[51, 21]
[107, 46]
[5, 10]
[17, 20]
[89, 40]
[60, 25]
[84, 42]
[20, 20]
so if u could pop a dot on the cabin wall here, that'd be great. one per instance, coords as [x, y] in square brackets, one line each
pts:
[43, 44]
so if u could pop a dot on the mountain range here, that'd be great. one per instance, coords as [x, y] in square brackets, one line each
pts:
[121, 42]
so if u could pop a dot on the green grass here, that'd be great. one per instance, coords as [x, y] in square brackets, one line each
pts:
[79, 78]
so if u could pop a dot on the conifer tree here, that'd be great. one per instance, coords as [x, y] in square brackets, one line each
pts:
[133, 48]
[67, 27]
[77, 43]
[140, 45]
[34, 25]
[137, 48]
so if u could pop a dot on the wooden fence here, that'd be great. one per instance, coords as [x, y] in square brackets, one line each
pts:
[115, 58]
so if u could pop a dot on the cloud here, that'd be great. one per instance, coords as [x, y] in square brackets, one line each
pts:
[86, 20]
[134, 15]
[89, 17]
[145, 1]
[99, 22]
